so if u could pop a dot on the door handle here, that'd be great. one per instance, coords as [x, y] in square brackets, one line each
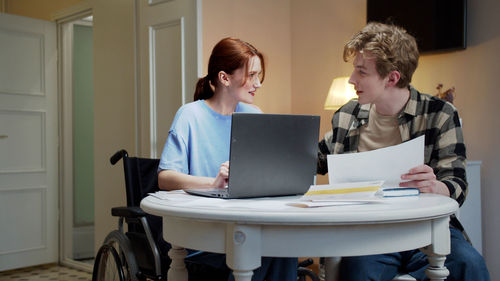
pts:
[3, 136]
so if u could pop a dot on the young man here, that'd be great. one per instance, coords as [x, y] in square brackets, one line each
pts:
[389, 111]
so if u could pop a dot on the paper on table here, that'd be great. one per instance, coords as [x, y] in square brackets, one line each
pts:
[181, 198]
[387, 164]
[350, 191]
[163, 194]
[316, 204]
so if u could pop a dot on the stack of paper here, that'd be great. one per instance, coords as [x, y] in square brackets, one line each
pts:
[351, 193]
[387, 164]
[366, 177]
[344, 191]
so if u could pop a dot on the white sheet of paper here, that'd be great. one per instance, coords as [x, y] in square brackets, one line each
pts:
[317, 204]
[179, 197]
[387, 164]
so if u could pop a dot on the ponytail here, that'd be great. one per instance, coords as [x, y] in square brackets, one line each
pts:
[203, 89]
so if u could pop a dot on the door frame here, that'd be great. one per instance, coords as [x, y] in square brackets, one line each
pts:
[63, 21]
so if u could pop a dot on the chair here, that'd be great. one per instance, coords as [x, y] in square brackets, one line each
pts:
[140, 253]
[131, 254]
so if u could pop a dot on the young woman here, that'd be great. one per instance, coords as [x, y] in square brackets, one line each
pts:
[196, 152]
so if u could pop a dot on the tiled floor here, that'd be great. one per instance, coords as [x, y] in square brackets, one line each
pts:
[53, 272]
[49, 272]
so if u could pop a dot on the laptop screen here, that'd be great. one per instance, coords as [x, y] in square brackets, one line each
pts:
[272, 154]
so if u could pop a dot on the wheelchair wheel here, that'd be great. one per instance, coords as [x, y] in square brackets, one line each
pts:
[108, 266]
[121, 244]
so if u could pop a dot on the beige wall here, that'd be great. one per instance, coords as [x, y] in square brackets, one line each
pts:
[36, 9]
[318, 34]
[264, 24]
[114, 99]
[474, 72]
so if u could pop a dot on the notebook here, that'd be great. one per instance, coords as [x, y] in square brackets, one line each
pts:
[270, 155]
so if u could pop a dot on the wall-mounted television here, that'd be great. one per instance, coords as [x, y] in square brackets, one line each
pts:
[437, 25]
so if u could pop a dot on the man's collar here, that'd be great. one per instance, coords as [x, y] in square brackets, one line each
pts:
[410, 107]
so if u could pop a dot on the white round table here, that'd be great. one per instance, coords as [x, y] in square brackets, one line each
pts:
[247, 229]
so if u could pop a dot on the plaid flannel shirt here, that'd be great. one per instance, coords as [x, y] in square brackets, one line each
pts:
[423, 115]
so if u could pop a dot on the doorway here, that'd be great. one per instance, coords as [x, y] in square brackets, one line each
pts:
[28, 142]
[75, 40]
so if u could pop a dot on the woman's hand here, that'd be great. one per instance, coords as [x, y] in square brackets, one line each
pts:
[223, 175]
[423, 178]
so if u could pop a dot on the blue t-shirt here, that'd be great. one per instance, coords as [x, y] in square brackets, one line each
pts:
[198, 141]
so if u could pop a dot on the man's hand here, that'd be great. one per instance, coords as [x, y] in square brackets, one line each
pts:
[223, 175]
[423, 178]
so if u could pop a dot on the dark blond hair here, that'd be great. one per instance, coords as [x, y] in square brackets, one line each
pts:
[391, 46]
[228, 55]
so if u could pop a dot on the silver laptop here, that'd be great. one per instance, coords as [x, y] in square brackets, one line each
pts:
[270, 155]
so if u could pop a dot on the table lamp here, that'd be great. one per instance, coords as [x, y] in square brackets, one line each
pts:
[340, 92]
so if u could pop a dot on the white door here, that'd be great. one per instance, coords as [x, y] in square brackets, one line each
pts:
[168, 66]
[28, 142]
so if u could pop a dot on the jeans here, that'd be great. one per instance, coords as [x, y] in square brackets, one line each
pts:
[271, 269]
[463, 262]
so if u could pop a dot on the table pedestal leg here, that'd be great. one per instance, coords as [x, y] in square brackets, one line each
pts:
[243, 250]
[242, 275]
[436, 269]
[177, 269]
[438, 250]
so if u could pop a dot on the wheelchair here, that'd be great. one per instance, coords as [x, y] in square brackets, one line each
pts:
[139, 253]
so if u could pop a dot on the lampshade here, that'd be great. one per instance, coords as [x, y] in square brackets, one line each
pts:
[340, 92]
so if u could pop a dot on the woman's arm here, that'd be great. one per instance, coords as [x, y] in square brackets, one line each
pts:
[172, 180]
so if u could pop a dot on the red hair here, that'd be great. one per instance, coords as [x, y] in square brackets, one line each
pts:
[228, 55]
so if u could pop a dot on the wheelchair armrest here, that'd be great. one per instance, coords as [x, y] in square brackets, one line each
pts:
[128, 212]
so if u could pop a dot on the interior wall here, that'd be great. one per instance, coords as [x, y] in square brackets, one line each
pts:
[319, 33]
[473, 73]
[114, 105]
[264, 24]
[36, 9]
